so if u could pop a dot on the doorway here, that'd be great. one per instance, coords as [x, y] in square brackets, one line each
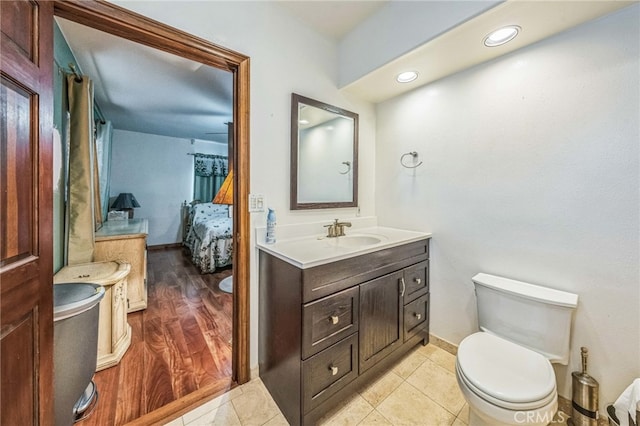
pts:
[112, 19]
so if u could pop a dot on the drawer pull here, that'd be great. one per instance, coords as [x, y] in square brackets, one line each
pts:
[418, 281]
[417, 315]
[334, 319]
[334, 370]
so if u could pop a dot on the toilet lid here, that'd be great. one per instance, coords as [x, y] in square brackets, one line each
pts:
[504, 370]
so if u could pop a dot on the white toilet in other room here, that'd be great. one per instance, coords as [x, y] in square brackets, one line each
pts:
[504, 371]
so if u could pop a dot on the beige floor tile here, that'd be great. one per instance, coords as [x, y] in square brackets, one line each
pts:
[444, 359]
[408, 406]
[439, 385]
[224, 415]
[211, 405]
[463, 414]
[278, 420]
[409, 364]
[428, 350]
[377, 391]
[458, 422]
[255, 404]
[349, 414]
[175, 422]
[375, 419]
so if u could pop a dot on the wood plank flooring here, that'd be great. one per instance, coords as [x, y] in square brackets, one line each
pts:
[180, 343]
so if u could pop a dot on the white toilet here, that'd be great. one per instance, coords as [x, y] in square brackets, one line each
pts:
[504, 371]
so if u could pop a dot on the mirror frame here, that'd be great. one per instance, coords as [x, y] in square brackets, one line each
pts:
[296, 100]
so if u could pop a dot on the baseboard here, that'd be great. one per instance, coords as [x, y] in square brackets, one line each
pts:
[443, 344]
[164, 246]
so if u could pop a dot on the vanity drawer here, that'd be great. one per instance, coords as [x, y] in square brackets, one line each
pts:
[323, 280]
[329, 371]
[328, 320]
[416, 281]
[416, 317]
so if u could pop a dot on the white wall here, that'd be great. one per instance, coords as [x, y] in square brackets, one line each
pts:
[159, 173]
[286, 57]
[531, 171]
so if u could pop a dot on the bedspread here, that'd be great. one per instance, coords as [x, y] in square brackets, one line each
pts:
[210, 236]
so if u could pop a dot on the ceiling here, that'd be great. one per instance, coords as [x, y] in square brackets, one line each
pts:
[462, 47]
[333, 19]
[142, 89]
[146, 90]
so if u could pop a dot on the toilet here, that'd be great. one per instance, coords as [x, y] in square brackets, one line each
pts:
[504, 371]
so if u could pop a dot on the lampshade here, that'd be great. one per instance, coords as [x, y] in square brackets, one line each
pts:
[125, 200]
[225, 194]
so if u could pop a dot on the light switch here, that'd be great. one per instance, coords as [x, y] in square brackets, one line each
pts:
[256, 203]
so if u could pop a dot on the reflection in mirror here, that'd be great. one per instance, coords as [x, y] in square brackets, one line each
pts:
[324, 155]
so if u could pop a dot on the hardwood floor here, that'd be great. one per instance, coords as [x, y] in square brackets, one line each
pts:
[180, 343]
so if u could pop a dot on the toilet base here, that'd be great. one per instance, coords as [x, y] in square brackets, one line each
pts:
[519, 418]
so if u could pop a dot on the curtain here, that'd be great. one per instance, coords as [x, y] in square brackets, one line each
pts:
[209, 172]
[80, 202]
[103, 154]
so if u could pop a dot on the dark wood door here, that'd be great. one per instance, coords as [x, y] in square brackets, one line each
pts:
[26, 270]
[381, 320]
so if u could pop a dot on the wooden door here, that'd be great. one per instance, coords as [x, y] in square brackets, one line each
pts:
[26, 264]
[381, 320]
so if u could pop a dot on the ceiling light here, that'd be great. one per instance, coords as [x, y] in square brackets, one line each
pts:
[406, 77]
[303, 121]
[501, 36]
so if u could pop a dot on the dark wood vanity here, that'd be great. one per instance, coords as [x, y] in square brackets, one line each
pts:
[327, 329]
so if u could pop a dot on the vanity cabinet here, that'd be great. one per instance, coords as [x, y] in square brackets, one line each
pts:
[126, 241]
[325, 330]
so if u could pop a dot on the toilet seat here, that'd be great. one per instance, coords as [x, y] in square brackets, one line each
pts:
[504, 373]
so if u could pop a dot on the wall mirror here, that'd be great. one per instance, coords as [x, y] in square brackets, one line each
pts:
[324, 155]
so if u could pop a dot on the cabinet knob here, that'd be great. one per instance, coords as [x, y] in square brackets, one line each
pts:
[417, 315]
[418, 280]
[333, 369]
[334, 319]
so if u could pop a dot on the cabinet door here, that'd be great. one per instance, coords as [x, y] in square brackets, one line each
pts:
[381, 319]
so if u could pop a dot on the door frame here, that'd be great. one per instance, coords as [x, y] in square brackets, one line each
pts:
[124, 23]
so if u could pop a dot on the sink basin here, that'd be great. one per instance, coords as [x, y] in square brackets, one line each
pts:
[354, 241]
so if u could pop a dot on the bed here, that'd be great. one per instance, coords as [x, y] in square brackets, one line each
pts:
[208, 235]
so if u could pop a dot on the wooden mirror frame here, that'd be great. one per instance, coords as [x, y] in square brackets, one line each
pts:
[294, 204]
[127, 24]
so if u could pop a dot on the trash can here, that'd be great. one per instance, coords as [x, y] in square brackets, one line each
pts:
[75, 344]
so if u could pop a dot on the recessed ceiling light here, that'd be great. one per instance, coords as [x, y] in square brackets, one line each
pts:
[501, 36]
[406, 77]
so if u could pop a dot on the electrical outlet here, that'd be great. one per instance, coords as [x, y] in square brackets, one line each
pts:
[256, 203]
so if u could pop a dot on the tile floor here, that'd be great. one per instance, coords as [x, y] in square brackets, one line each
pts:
[420, 390]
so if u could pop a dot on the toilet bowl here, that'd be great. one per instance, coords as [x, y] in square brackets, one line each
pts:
[504, 371]
[504, 383]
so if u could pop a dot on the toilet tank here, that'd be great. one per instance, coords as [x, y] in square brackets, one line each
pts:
[536, 317]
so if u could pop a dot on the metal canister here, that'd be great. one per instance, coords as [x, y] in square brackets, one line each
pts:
[585, 396]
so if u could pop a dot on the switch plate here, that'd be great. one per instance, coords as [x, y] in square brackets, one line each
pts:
[256, 203]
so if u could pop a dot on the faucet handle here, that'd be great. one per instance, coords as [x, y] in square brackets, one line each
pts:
[331, 230]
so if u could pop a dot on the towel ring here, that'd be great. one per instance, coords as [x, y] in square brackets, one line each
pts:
[414, 154]
[348, 164]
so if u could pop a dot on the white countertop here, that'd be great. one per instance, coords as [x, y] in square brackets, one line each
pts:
[313, 250]
[112, 228]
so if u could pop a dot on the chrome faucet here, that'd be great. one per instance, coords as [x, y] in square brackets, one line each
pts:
[336, 229]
